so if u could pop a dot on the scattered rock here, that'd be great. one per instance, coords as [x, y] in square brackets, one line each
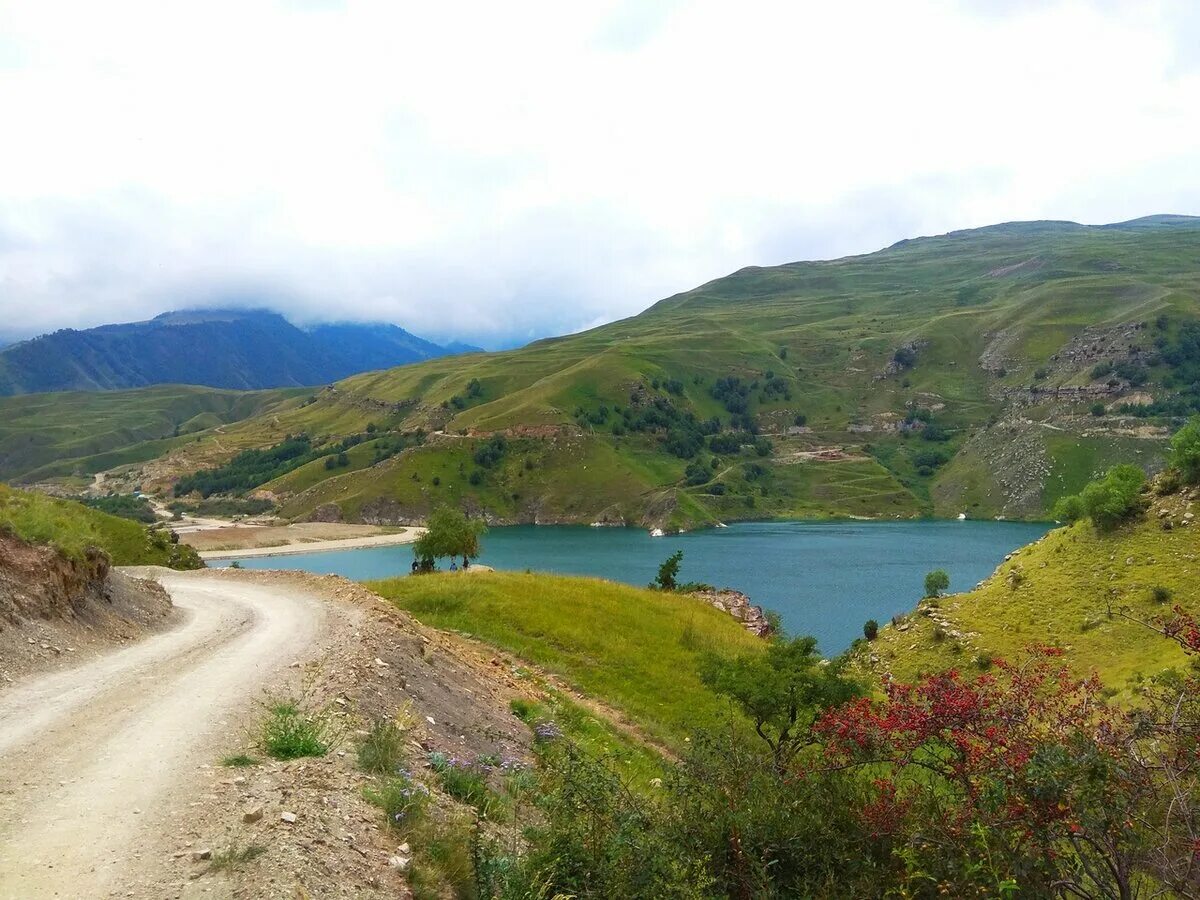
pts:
[739, 606]
[399, 862]
[253, 815]
[199, 855]
[289, 817]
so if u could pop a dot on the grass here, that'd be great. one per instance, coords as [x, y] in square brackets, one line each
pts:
[234, 857]
[635, 649]
[291, 733]
[239, 761]
[1069, 589]
[73, 528]
[382, 750]
[402, 798]
[467, 782]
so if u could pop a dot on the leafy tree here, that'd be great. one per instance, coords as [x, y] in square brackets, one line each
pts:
[783, 691]
[448, 533]
[871, 629]
[936, 582]
[1097, 409]
[668, 572]
[1185, 451]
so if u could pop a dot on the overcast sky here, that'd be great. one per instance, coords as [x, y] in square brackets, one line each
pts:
[502, 171]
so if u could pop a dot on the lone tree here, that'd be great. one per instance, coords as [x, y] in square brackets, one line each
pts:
[449, 533]
[871, 629]
[936, 582]
[784, 691]
[668, 572]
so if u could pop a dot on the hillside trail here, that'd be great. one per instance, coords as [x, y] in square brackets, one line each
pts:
[100, 764]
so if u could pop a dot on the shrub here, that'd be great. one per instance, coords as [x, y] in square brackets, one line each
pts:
[1069, 509]
[1097, 409]
[871, 629]
[290, 733]
[1160, 594]
[1115, 497]
[1185, 451]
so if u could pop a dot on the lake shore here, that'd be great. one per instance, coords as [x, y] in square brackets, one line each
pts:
[245, 542]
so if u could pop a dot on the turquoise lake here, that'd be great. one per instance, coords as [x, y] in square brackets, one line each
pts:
[823, 578]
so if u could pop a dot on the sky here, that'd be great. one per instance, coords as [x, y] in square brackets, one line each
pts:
[498, 172]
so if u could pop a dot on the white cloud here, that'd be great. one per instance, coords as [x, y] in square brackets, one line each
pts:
[504, 171]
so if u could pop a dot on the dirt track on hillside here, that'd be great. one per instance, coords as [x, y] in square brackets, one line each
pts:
[110, 776]
[96, 761]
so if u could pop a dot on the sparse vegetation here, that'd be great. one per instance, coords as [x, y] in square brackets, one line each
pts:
[291, 733]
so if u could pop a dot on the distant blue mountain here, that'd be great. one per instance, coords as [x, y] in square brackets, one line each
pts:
[221, 348]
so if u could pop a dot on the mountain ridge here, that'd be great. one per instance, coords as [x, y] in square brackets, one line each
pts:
[218, 348]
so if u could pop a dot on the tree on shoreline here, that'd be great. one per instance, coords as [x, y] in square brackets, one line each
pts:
[449, 532]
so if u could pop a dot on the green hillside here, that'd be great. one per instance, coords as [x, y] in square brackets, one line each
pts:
[44, 436]
[1077, 588]
[634, 649]
[984, 372]
[73, 528]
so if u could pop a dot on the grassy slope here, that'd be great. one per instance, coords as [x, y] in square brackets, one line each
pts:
[840, 322]
[1069, 581]
[1030, 286]
[48, 435]
[635, 649]
[72, 528]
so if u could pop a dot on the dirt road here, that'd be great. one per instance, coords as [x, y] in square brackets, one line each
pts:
[99, 762]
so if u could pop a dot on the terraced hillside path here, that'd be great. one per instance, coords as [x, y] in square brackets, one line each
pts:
[101, 763]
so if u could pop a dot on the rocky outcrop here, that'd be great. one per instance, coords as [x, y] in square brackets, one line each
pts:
[739, 606]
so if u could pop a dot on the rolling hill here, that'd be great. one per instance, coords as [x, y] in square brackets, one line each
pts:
[234, 349]
[984, 372]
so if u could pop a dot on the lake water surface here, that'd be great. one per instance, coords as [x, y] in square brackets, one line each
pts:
[823, 578]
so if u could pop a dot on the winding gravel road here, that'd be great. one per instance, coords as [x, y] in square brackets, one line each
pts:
[97, 763]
